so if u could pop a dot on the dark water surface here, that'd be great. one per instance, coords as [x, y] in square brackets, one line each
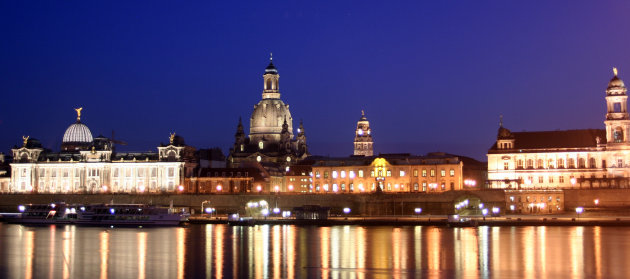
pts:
[285, 251]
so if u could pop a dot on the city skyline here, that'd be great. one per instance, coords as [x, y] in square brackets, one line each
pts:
[430, 77]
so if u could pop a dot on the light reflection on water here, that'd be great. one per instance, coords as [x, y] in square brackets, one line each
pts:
[221, 251]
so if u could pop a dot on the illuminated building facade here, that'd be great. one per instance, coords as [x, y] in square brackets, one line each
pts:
[271, 138]
[363, 143]
[589, 158]
[90, 165]
[436, 172]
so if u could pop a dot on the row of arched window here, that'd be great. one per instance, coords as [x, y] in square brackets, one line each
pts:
[559, 163]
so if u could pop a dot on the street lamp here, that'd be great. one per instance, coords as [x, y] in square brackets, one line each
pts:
[484, 212]
[346, 210]
[418, 210]
[202, 203]
[596, 201]
[579, 210]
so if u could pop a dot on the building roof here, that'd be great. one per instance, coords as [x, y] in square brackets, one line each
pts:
[557, 139]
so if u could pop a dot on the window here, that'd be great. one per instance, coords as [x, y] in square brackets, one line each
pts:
[153, 172]
[432, 173]
[618, 135]
[540, 179]
[116, 172]
[360, 173]
[54, 173]
[506, 165]
[317, 174]
[452, 172]
[550, 163]
[519, 164]
[65, 173]
[424, 173]
[140, 172]
[389, 173]
[351, 174]
[415, 186]
[541, 164]
[326, 174]
[261, 145]
[351, 187]
[343, 174]
[334, 174]
[424, 186]
[551, 179]
[443, 173]
[415, 173]
[530, 163]
[592, 163]
[581, 163]
[42, 172]
[389, 186]
[560, 163]
[617, 107]
[442, 186]
[371, 173]
[561, 179]
[171, 172]
[402, 173]
[620, 163]
[128, 173]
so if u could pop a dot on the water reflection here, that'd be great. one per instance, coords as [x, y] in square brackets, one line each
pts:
[278, 251]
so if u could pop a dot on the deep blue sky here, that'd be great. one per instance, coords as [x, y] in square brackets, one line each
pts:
[431, 75]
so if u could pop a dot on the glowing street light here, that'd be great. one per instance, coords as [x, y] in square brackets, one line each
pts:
[484, 212]
[346, 210]
[180, 188]
[219, 188]
[258, 188]
[579, 210]
[596, 201]
[418, 210]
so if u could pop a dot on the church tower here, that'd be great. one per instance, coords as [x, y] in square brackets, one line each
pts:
[617, 119]
[363, 143]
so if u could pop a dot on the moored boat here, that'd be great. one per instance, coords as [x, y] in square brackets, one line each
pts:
[52, 213]
[130, 215]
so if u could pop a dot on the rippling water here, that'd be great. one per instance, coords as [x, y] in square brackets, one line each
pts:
[206, 251]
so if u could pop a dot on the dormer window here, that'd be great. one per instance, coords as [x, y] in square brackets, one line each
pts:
[261, 145]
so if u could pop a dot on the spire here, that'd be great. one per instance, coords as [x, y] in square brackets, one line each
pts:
[501, 120]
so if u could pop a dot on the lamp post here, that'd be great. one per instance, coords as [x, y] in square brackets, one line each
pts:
[418, 210]
[578, 211]
[484, 212]
[202, 203]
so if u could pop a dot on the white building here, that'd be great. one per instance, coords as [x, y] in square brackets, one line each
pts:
[587, 158]
[87, 165]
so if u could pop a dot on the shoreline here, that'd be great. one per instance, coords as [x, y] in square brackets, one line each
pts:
[437, 220]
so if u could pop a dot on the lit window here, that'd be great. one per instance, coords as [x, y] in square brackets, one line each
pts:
[402, 173]
[452, 172]
[432, 173]
[360, 173]
[334, 174]
[415, 173]
[326, 174]
[343, 174]
[371, 173]
[424, 173]
[561, 179]
[261, 145]
[351, 174]
[415, 186]
[443, 173]
[317, 174]
[389, 173]
[506, 165]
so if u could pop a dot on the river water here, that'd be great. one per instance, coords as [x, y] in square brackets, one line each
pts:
[287, 251]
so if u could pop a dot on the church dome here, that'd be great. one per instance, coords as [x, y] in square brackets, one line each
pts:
[77, 133]
[267, 119]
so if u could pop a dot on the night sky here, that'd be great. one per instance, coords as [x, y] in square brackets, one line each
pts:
[430, 75]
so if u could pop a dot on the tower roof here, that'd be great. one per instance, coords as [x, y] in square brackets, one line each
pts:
[271, 69]
[616, 82]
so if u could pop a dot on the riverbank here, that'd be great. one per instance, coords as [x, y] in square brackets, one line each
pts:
[435, 220]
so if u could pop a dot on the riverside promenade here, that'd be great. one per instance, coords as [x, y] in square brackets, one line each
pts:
[567, 219]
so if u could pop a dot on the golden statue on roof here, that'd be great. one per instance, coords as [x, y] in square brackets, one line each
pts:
[25, 140]
[172, 138]
[78, 113]
[615, 71]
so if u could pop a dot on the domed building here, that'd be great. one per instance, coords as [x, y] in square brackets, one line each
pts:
[91, 165]
[77, 136]
[271, 141]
